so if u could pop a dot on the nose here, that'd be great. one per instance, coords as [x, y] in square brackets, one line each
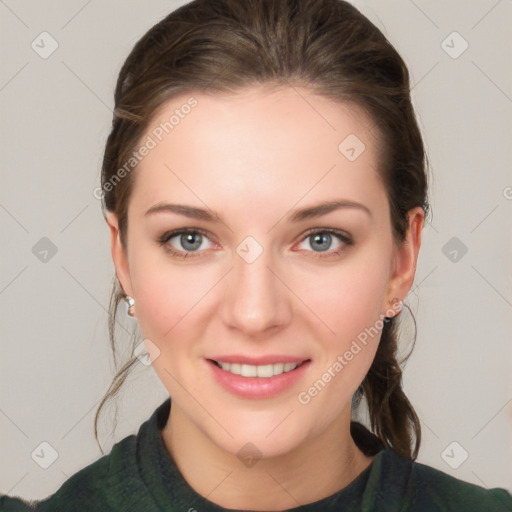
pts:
[256, 302]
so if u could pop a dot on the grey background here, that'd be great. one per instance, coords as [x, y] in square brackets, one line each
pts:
[55, 362]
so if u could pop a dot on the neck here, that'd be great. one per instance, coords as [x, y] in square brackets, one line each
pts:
[321, 466]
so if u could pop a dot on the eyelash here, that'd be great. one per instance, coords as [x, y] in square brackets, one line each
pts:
[341, 235]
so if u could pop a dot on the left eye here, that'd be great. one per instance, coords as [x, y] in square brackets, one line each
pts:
[321, 241]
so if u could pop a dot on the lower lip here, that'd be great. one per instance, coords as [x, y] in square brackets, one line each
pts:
[257, 387]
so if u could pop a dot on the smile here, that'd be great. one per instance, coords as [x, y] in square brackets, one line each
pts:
[265, 371]
[257, 381]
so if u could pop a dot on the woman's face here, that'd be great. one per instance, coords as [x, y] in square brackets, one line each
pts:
[264, 276]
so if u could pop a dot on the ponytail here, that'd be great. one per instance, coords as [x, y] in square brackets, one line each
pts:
[392, 417]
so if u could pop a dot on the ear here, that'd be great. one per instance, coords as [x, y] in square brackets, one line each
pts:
[119, 255]
[405, 259]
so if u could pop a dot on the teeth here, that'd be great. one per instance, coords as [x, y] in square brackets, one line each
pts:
[249, 370]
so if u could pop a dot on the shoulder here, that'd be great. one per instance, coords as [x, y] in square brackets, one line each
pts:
[454, 494]
[12, 504]
[120, 480]
[100, 485]
[424, 488]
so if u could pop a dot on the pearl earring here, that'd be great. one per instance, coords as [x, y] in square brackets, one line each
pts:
[130, 301]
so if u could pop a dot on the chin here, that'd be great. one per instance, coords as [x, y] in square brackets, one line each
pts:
[272, 437]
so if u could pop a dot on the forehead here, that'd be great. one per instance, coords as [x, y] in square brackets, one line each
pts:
[254, 143]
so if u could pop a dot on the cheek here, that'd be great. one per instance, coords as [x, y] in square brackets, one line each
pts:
[166, 295]
[348, 301]
[349, 298]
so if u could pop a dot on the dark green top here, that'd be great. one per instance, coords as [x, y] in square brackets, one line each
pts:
[140, 475]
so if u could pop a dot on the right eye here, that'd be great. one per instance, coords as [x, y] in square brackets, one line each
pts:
[184, 243]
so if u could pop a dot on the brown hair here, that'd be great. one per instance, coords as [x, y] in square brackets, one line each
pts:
[327, 46]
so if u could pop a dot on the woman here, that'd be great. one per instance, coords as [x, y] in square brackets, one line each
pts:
[265, 190]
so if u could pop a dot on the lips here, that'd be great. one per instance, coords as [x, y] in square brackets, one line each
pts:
[258, 386]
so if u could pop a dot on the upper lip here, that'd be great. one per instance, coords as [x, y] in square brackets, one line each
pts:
[258, 361]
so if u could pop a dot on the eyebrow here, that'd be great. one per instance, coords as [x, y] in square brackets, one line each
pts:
[296, 216]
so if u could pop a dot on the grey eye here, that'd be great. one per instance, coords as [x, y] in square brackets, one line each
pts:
[320, 241]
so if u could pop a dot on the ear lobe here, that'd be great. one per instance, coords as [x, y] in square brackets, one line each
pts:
[119, 255]
[406, 257]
